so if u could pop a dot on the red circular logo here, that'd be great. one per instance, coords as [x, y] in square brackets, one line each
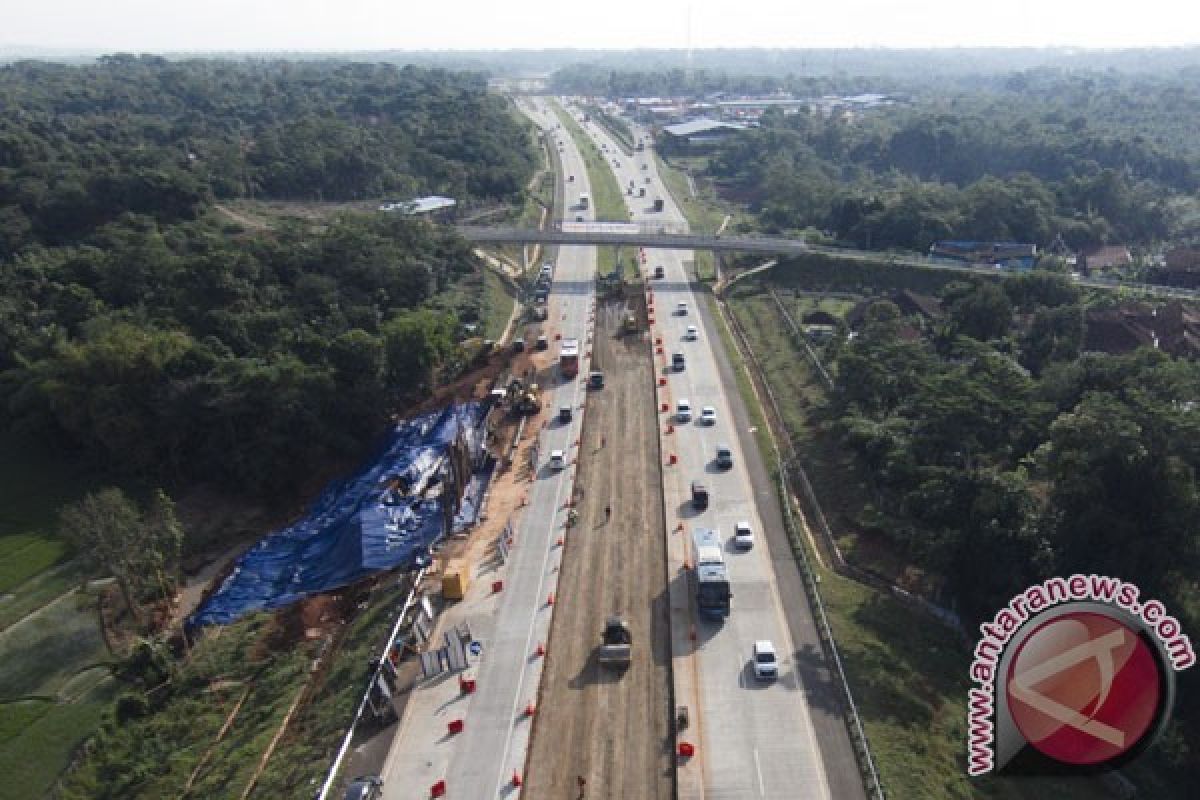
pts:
[1083, 688]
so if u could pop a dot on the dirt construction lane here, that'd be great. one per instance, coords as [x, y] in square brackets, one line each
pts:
[607, 726]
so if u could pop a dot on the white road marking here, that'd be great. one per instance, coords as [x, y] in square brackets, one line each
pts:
[762, 792]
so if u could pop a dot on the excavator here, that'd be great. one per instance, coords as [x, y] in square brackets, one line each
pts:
[522, 399]
[616, 649]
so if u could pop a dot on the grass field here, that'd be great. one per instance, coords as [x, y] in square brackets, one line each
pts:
[703, 213]
[33, 486]
[252, 663]
[606, 194]
[38, 737]
[49, 645]
[44, 651]
[497, 305]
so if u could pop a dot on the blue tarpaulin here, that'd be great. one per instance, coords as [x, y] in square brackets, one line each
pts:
[357, 527]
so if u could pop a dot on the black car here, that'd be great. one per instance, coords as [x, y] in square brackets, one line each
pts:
[365, 787]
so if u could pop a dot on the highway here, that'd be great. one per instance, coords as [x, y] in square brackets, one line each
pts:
[481, 762]
[757, 738]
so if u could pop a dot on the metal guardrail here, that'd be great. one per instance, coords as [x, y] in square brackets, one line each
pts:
[336, 767]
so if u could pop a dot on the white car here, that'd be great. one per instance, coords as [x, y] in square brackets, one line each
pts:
[743, 536]
[766, 666]
[681, 309]
[683, 410]
[691, 334]
[558, 459]
[708, 415]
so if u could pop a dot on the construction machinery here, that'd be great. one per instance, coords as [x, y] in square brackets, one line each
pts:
[522, 399]
[616, 649]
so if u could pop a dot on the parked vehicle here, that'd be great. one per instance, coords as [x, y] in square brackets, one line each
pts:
[691, 334]
[659, 272]
[683, 410]
[681, 308]
[699, 495]
[595, 379]
[708, 415]
[565, 414]
[677, 362]
[558, 459]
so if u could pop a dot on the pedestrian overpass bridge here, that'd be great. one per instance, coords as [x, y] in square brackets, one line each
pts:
[664, 236]
[672, 237]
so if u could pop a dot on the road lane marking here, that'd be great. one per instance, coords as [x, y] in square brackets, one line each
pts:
[762, 792]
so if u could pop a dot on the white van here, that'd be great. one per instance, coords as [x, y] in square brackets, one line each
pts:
[683, 410]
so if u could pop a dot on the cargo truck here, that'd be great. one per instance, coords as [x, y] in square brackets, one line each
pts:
[568, 358]
[713, 594]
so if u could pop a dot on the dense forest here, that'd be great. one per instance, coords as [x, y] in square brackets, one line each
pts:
[1095, 158]
[996, 452]
[146, 333]
[82, 145]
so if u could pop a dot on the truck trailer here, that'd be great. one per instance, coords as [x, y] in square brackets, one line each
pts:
[713, 593]
[568, 358]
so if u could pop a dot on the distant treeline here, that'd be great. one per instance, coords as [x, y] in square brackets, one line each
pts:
[149, 335]
[79, 146]
[1093, 158]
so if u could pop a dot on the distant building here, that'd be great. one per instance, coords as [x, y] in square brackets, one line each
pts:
[698, 134]
[1013, 255]
[1181, 268]
[433, 206]
[1171, 328]
[1103, 258]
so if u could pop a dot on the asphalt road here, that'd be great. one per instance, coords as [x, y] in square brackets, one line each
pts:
[781, 739]
[494, 743]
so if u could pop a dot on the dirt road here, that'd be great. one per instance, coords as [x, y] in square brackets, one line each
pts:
[610, 727]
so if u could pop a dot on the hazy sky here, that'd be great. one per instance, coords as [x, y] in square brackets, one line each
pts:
[166, 25]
